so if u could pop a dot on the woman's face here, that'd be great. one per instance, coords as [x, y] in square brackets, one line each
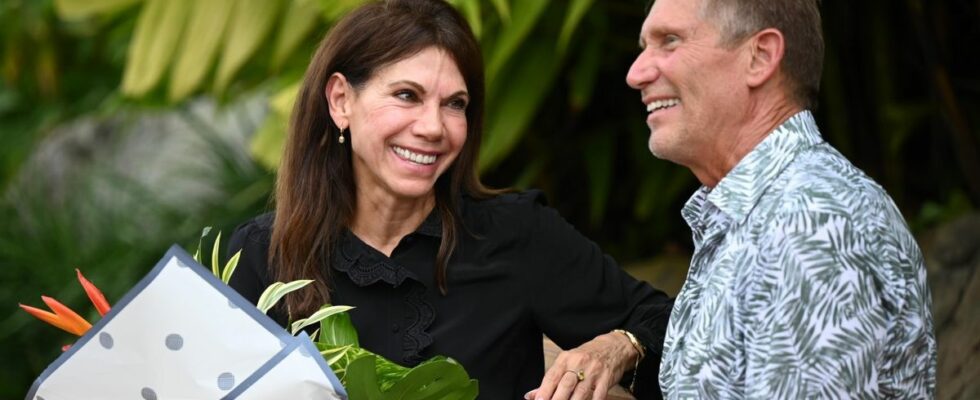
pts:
[407, 125]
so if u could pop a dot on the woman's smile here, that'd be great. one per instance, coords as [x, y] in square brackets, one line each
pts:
[414, 157]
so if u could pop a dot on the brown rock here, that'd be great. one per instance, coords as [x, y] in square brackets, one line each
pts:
[953, 260]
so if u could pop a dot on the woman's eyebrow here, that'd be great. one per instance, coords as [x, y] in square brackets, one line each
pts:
[418, 87]
[421, 89]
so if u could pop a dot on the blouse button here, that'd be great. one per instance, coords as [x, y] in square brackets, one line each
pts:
[394, 328]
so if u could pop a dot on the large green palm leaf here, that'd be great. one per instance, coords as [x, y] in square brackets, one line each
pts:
[181, 43]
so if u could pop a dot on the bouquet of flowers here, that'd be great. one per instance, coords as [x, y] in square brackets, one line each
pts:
[181, 332]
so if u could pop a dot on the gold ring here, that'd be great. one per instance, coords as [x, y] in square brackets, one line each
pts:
[580, 374]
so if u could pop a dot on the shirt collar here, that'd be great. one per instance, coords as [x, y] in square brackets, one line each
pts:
[692, 210]
[366, 265]
[739, 191]
[432, 225]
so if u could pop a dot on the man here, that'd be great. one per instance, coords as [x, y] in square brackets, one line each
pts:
[805, 281]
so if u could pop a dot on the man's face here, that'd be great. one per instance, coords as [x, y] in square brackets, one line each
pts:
[688, 82]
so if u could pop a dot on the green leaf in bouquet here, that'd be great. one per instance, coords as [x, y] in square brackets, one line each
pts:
[230, 267]
[318, 316]
[437, 378]
[276, 291]
[389, 373]
[362, 379]
[333, 355]
[214, 256]
[200, 242]
[340, 356]
[369, 376]
[338, 330]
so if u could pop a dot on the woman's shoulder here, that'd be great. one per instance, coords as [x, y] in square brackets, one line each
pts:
[256, 230]
[508, 210]
[508, 201]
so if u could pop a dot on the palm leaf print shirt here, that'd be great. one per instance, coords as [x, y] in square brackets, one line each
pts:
[805, 283]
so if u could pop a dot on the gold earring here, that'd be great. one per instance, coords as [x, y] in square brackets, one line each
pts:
[340, 139]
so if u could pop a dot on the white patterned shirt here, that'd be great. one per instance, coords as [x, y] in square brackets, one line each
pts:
[805, 283]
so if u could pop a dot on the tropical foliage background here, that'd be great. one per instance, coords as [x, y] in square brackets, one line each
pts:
[127, 125]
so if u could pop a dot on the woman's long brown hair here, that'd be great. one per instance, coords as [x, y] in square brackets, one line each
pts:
[315, 191]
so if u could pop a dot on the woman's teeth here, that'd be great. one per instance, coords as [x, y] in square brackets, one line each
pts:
[414, 157]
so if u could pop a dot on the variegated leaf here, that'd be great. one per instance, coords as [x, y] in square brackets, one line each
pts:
[276, 291]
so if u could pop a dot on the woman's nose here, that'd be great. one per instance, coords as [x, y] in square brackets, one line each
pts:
[429, 124]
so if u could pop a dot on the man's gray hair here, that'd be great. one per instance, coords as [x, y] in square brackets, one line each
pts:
[797, 20]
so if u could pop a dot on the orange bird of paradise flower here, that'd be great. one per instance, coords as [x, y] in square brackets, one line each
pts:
[63, 317]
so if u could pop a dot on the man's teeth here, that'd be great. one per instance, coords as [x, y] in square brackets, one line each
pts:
[659, 104]
[414, 157]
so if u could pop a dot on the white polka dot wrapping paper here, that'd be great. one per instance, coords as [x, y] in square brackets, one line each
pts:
[181, 333]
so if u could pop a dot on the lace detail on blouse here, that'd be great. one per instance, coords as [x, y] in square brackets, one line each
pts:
[421, 315]
[366, 268]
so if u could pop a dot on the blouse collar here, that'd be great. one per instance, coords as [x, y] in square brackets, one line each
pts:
[366, 265]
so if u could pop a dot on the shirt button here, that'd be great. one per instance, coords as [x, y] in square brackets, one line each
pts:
[394, 328]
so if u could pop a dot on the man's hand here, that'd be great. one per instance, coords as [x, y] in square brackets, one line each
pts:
[587, 371]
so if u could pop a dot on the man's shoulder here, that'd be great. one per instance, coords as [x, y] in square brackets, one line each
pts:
[823, 197]
[822, 181]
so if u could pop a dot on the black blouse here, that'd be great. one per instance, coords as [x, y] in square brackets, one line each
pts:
[521, 271]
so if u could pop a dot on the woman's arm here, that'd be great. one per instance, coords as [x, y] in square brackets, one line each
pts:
[580, 295]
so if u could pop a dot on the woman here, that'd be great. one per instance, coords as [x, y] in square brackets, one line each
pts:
[378, 200]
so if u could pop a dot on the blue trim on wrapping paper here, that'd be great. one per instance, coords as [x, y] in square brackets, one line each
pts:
[183, 257]
[291, 346]
[301, 341]
[307, 342]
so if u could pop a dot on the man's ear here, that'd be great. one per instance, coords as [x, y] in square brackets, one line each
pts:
[767, 49]
[339, 94]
